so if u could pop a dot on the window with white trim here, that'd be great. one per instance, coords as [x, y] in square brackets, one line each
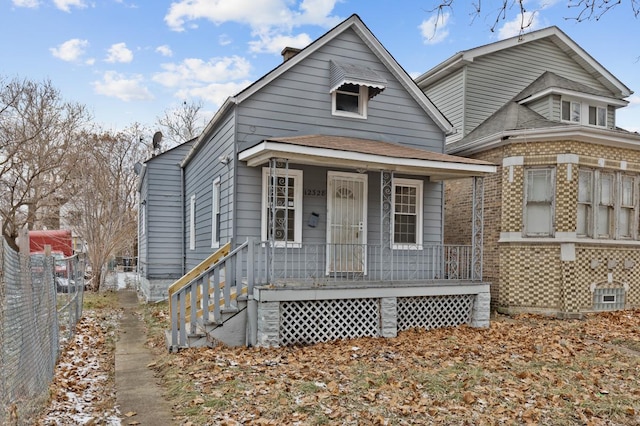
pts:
[350, 100]
[215, 213]
[584, 113]
[539, 202]
[192, 223]
[143, 218]
[407, 213]
[607, 205]
[282, 219]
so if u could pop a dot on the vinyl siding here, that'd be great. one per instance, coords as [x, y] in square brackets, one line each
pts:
[448, 95]
[543, 107]
[200, 173]
[160, 246]
[299, 102]
[495, 79]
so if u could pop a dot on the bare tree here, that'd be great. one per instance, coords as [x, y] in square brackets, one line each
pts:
[580, 10]
[103, 213]
[39, 148]
[183, 123]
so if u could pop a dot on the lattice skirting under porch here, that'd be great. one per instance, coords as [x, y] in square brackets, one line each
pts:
[314, 321]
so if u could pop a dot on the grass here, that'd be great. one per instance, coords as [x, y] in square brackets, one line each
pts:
[522, 370]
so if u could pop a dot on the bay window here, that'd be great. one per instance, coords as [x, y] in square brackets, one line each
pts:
[607, 205]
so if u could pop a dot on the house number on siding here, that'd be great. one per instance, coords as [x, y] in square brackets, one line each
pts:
[315, 192]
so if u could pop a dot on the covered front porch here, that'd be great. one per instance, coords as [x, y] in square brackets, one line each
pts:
[365, 259]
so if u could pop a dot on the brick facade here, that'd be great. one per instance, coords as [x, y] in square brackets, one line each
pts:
[558, 274]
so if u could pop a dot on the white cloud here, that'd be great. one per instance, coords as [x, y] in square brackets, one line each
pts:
[119, 53]
[271, 21]
[194, 72]
[116, 85]
[164, 50]
[65, 5]
[265, 13]
[215, 93]
[70, 50]
[275, 43]
[434, 30]
[31, 4]
[530, 21]
[224, 40]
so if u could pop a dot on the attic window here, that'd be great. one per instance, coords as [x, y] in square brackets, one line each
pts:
[351, 87]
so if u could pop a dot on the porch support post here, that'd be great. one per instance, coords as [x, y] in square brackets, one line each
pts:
[275, 226]
[268, 332]
[477, 228]
[386, 201]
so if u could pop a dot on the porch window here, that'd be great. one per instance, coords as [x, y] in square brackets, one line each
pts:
[192, 223]
[597, 116]
[571, 111]
[607, 205]
[539, 202]
[407, 216]
[215, 214]
[282, 206]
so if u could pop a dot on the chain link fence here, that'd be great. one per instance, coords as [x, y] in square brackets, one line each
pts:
[40, 304]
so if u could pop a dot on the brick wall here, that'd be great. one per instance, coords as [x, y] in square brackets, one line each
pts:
[530, 275]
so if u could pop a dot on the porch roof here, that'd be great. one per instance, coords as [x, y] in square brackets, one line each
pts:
[364, 154]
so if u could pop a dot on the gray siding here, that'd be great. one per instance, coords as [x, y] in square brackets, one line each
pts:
[200, 173]
[315, 181]
[299, 102]
[161, 244]
[448, 95]
[495, 79]
[544, 107]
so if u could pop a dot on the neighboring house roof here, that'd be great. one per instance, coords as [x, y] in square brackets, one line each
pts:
[355, 23]
[554, 34]
[550, 82]
[364, 154]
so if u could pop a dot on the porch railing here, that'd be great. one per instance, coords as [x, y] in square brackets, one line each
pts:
[208, 295]
[325, 263]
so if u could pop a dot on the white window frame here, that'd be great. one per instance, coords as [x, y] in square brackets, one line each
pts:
[615, 207]
[192, 223]
[296, 175]
[598, 109]
[579, 112]
[363, 100]
[419, 186]
[215, 213]
[526, 202]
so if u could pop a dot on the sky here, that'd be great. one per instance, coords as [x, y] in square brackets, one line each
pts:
[131, 61]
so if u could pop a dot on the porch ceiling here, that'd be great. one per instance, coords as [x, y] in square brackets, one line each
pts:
[364, 154]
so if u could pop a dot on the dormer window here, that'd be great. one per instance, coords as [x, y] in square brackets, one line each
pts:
[598, 116]
[584, 113]
[350, 99]
[351, 88]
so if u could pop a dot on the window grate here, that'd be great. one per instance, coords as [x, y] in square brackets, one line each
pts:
[608, 298]
[309, 322]
[434, 311]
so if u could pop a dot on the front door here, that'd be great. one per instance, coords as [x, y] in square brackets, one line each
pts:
[347, 222]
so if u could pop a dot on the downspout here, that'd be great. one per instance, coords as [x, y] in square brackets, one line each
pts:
[183, 253]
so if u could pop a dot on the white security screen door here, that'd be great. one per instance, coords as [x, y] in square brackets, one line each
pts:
[347, 226]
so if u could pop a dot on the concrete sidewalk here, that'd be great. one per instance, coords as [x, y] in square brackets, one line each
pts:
[137, 390]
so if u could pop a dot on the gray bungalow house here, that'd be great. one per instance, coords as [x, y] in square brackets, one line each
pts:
[312, 208]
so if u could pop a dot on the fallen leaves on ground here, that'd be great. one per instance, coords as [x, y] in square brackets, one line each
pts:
[83, 387]
[526, 369]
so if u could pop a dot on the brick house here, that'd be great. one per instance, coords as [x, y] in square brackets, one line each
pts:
[561, 215]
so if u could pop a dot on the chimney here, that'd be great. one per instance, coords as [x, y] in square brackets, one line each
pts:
[289, 52]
